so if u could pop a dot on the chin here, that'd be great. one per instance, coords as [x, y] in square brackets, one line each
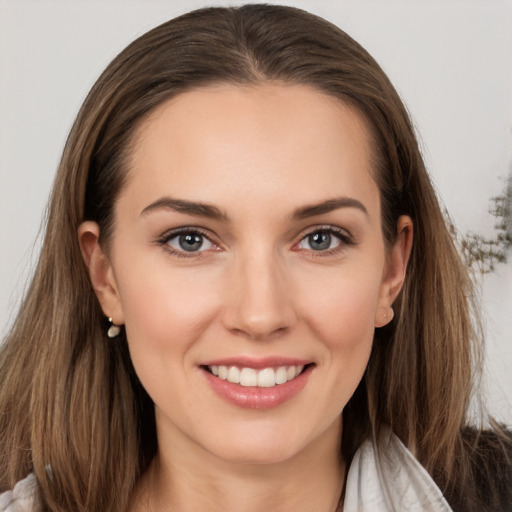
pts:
[257, 455]
[272, 445]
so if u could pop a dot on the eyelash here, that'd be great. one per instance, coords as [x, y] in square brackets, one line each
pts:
[342, 235]
[164, 240]
[345, 240]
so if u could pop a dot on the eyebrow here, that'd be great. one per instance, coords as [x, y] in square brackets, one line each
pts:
[188, 207]
[212, 212]
[328, 206]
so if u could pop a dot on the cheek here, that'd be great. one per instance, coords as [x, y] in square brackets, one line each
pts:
[166, 312]
[165, 309]
[340, 309]
[341, 306]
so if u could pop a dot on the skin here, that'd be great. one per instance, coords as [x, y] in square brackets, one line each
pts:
[257, 287]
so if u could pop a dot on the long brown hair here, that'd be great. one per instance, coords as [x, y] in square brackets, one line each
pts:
[71, 407]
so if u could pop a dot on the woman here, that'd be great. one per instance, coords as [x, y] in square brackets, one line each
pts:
[229, 294]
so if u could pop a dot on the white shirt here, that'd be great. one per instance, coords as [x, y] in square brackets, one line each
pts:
[23, 498]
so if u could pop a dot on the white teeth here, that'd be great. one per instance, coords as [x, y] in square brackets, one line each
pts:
[264, 378]
[223, 372]
[281, 377]
[234, 375]
[248, 377]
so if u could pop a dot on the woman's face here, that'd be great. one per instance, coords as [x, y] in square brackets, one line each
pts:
[248, 246]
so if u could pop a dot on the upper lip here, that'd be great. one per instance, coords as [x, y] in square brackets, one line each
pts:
[257, 362]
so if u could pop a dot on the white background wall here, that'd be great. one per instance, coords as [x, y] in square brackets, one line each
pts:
[450, 59]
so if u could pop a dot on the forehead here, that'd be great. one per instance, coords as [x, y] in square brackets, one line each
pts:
[257, 139]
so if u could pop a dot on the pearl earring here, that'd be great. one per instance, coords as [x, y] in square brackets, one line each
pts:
[113, 330]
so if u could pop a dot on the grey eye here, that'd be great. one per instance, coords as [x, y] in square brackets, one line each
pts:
[320, 240]
[190, 242]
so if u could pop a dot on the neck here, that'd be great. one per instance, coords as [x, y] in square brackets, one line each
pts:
[182, 480]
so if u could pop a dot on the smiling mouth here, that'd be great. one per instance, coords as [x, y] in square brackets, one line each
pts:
[262, 378]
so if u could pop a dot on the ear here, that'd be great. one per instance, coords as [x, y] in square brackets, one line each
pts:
[100, 271]
[395, 271]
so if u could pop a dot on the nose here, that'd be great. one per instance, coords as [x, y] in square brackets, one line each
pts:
[260, 304]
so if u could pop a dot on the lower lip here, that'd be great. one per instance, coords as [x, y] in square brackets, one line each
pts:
[253, 397]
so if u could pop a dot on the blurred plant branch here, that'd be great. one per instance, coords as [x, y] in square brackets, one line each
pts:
[482, 254]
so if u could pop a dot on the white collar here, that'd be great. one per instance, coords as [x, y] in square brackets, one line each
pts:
[388, 478]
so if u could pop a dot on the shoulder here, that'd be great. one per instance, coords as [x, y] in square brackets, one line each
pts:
[23, 498]
[490, 453]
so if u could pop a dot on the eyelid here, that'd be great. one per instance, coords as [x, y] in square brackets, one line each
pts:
[164, 239]
[345, 237]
